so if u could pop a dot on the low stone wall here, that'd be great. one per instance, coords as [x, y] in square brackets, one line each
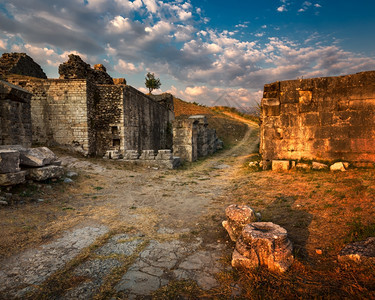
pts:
[326, 119]
[15, 115]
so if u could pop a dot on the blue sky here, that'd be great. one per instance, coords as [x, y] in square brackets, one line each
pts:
[200, 50]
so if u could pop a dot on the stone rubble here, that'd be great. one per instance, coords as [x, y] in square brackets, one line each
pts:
[37, 164]
[339, 166]
[363, 251]
[238, 216]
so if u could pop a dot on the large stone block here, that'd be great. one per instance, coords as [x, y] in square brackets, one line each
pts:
[33, 157]
[263, 244]
[12, 178]
[9, 161]
[164, 155]
[44, 173]
[280, 165]
[147, 155]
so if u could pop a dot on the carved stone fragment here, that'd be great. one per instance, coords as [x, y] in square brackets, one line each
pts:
[238, 216]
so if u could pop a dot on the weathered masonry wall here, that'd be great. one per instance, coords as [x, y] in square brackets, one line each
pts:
[331, 118]
[60, 111]
[15, 115]
[146, 122]
[193, 139]
[109, 118]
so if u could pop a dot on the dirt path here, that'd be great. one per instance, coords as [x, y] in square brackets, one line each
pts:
[132, 233]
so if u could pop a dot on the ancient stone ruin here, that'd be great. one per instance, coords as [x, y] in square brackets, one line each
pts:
[322, 119]
[18, 163]
[86, 111]
[263, 244]
[15, 115]
[257, 243]
[193, 139]
[20, 64]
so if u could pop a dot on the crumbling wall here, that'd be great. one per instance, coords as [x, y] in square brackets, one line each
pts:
[76, 68]
[21, 64]
[109, 118]
[15, 115]
[193, 139]
[330, 118]
[146, 122]
[59, 111]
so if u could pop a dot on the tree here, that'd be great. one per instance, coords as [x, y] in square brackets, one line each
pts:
[152, 83]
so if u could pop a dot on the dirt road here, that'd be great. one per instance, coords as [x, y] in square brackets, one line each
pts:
[130, 232]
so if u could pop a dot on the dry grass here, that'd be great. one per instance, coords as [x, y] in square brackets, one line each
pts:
[320, 210]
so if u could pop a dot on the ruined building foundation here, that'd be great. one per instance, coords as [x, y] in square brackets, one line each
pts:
[326, 119]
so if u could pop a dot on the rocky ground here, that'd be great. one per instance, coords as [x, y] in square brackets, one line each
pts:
[126, 232]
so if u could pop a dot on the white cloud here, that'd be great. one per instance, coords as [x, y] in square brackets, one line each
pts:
[282, 8]
[3, 44]
[119, 24]
[127, 67]
[151, 5]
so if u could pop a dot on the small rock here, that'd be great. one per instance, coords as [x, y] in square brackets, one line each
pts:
[68, 180]
[319, 251]
[258, 215]
[40, 200]
[3, 202]
[319, 166]
[339, 166]
[303, 166]
[71, 174]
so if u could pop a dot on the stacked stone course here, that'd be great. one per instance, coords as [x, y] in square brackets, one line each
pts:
[331, 118]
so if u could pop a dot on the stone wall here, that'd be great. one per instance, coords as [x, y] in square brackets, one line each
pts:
[109, 119]
[331, 118]
[59, 111]
[147, 123]
[15, 115]
[193, 139]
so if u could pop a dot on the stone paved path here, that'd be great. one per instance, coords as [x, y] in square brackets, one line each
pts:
[146, 230]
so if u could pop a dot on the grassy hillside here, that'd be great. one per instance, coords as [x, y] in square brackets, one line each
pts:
[229, 130]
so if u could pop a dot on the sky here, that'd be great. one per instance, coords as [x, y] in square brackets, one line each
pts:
[213, 52]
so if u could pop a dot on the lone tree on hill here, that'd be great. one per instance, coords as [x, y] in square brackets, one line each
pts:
[152, 83]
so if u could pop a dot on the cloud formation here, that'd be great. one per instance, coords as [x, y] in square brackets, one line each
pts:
[173, 39]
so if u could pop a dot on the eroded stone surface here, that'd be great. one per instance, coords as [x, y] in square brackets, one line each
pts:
[44, 173]
[263, 243]
[363, 251]
[121, 244]
[32, 267]
[9, 161]
[12, 178]
[238, 216]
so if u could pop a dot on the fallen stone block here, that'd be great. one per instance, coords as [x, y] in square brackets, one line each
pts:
[303, 166]
[339, 166]
[9, 161]
[164, 155]
[280, 165]
[113, 154]
[263, 244]
[319, 166]
[36, 157]
[238, 216]
[363, 251]
[44, 173]
[147, 155]
[12, 178]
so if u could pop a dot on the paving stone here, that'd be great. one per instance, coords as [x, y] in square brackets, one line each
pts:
[33, 266]
[95, 270]
[116, 246]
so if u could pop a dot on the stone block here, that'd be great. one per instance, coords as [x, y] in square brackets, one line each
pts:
[339, 166]
[263, 244]
[280, 165]
[44, 173]
[164, 155]
[238, 216]
[12, 178]
[113, 154]
[319, 166]
[131, 155]
[9, 161]
[36, 157]
[363, 251]
[303, 166]
[147, 155]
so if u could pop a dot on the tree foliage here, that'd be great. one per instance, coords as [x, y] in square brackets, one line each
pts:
[151, 82]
